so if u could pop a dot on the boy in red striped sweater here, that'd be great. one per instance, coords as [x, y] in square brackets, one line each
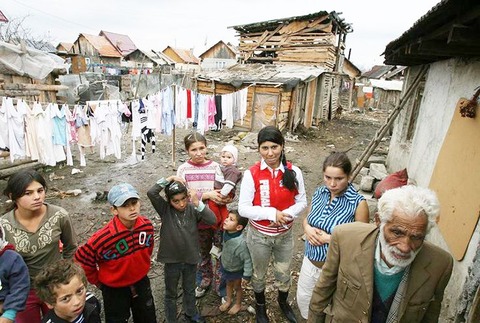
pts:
[117, 259]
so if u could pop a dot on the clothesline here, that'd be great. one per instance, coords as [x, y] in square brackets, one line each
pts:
[97, 123]
[124, 101]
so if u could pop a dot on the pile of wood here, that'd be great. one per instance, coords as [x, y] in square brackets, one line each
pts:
[26, 88]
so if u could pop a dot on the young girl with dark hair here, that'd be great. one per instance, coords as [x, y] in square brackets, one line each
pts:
[36, 229]
[272, 196]
[333, 203]
[200, 173]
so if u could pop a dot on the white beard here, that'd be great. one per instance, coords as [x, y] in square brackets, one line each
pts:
[388, 252]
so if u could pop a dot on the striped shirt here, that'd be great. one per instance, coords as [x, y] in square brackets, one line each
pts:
[201, 177]
[326, 215]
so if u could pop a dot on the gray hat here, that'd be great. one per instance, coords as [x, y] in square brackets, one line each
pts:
[120, 193]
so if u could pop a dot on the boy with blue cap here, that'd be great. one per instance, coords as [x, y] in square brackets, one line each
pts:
[117, 259]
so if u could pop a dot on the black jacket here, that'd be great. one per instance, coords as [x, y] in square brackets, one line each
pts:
[91, 312]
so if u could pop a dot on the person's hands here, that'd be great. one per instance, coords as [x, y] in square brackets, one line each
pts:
[176, 179]
[5, 320]
[225, 199]
[316, 236]
[282, 218]
[213, 195]
[192, 194]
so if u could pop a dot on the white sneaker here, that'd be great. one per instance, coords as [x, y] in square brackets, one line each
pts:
[224, 300]
[199, 292]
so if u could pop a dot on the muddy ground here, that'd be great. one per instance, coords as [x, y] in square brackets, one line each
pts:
[307, 150]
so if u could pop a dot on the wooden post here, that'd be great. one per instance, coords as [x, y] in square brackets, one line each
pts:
[173, 130]
[384, 128]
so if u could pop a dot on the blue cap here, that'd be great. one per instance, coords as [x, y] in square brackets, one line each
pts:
[120, 193]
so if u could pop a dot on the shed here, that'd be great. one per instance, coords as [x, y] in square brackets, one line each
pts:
[283, 95]
[386, 93]
[218, 56]
[317, 38]
[95, 49]
[148, 59]
[29, 74]
[65, 48]
[184, 58]
[437, 141]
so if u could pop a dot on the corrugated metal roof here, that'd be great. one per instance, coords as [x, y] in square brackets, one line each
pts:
[122, 43]
[261, 73]
[157, 57]
[102, 45]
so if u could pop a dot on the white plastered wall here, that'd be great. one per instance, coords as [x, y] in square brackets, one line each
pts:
[447, 82]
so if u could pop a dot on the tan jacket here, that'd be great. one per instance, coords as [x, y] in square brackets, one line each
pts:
[344, 290]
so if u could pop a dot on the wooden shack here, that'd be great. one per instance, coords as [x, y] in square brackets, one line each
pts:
[97, 49]
[218, 56]
[295, 70]
[317, 38]
[184, 59]
[283, 95]
[29, 74]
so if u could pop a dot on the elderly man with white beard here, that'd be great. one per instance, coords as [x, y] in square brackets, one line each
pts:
[385, 272]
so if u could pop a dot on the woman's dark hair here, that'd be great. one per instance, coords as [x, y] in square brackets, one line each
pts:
[338, 160]
[174, 188]
[271, 133]
[17, 183]
[193, 138]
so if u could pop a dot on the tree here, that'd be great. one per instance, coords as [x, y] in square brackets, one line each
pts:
[15, 31]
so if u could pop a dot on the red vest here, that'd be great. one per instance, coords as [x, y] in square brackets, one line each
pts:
[270, 191]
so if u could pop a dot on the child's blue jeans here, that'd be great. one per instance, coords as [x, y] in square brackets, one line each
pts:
[172, 274]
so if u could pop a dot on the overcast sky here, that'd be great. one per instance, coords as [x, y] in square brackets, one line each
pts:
[200, 24]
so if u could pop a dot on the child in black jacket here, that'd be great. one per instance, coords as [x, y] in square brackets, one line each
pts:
[62, 285]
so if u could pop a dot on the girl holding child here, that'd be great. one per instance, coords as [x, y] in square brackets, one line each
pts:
[200, 173]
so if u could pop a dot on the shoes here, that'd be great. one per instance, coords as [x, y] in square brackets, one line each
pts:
[224, 299]
[288, 312]
[196, 318]
[285, 307]
[261, 314]
[200, 292]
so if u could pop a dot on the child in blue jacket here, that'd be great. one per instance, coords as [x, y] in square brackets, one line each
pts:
[14, 280]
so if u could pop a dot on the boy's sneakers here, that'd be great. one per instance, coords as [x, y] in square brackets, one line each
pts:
[200, 292]
[196, 318]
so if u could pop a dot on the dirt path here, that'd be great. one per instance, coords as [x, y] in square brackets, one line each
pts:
[353, 131]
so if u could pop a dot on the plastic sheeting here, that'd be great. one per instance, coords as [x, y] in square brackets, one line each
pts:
[23, 60]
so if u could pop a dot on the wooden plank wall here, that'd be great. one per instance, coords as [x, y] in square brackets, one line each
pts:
[296, 42]
[26, 88]
[207, 87]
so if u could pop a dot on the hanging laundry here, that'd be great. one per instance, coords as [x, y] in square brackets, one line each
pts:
[4, 125]
[218, 113]
[16, 126]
